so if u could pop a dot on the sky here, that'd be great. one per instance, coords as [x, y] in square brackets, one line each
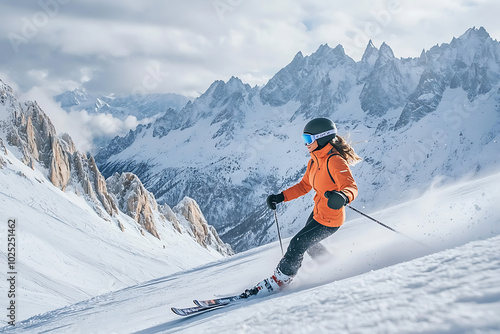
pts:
[152, 46]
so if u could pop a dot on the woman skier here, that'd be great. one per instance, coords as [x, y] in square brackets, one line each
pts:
[329, 175]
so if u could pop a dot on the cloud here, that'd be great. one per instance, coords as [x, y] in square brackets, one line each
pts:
[84, 128]
[107, 46]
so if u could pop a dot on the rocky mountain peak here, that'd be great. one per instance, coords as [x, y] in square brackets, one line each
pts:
[298, 57]
[134, 200]
[385, 55]
[221, 103]
[224, 93]
[367, 63]
[235, 84]
[6, 95]
[423, 57]
[385, 87]
[296, 80]
[474, 33]
[325, 55]
[370, 55]
[205, 234]
[71, 98]
[30, 130]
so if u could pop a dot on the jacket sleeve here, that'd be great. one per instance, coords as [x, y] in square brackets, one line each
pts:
[301, 188]
[341, 173]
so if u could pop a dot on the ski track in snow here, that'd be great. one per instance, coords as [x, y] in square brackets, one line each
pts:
[437, 293]
[375, 281]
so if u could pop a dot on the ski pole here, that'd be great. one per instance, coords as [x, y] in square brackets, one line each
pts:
[387, 227]
[279, 235]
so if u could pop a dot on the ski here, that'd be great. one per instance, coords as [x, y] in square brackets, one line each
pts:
[217, 301]
[195, 310]
[211, 304]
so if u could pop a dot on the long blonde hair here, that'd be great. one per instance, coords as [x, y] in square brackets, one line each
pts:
[345, 150]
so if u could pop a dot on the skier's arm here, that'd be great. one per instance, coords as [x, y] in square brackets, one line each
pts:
[300, 189]
[341, 173]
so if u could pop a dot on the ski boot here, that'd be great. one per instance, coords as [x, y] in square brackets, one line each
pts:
[269, 285]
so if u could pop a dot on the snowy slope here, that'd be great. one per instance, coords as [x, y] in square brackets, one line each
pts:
[376, 281]
[66, 252]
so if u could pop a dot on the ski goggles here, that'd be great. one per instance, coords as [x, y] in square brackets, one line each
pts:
[309, 139]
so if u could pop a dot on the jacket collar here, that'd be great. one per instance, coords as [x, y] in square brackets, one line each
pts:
[324, 152]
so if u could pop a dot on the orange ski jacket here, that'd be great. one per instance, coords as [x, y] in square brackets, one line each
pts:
[326, 171]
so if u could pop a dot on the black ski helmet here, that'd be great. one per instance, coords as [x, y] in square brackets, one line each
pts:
[320, 125]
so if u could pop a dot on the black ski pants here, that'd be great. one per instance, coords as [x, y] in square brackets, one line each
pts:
[308, 239]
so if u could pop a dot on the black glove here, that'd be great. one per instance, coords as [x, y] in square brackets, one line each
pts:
[336, 199]
[272, 200]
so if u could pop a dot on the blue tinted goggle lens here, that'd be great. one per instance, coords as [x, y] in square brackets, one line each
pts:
[308, 139]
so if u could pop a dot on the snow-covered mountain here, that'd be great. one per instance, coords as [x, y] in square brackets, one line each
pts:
[416, 122]
[75, 228]
[138, 105]
[375, 281]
